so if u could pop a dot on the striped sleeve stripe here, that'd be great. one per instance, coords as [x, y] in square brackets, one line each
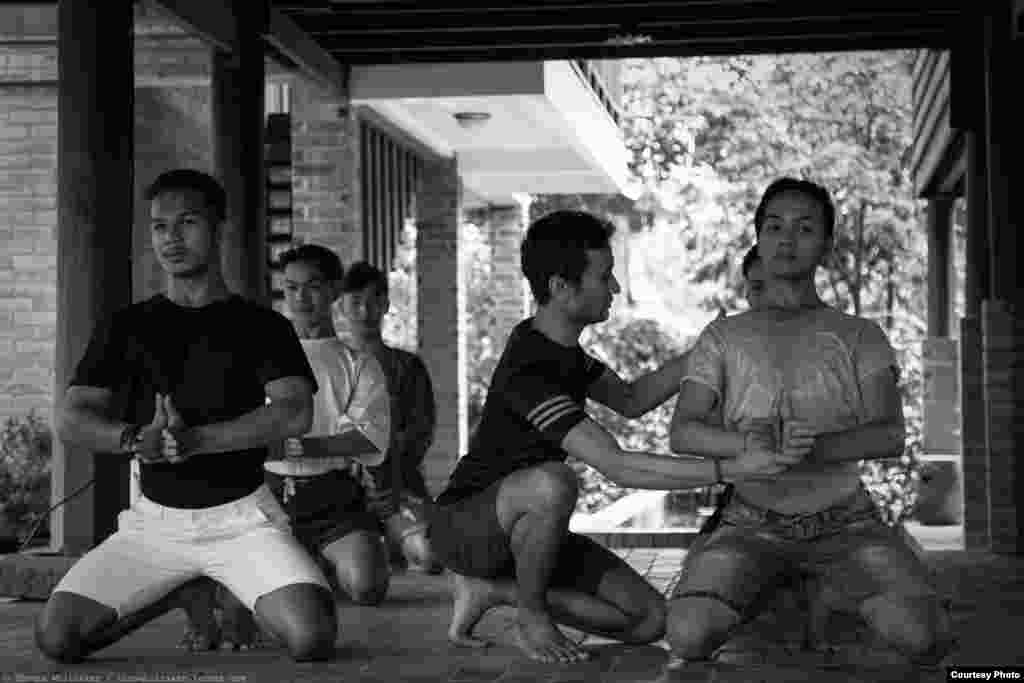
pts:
[551, 410]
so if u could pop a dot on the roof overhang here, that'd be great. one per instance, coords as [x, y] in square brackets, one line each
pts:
[547, 132]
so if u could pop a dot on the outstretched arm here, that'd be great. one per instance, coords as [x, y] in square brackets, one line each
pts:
[592, 444]
[634, 399]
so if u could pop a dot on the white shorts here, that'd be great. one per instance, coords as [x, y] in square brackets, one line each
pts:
[246, 545]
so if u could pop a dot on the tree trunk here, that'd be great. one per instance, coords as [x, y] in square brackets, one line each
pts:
[890, 297]
[858, 257]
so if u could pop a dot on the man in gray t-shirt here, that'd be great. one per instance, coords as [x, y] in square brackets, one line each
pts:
[799, 377]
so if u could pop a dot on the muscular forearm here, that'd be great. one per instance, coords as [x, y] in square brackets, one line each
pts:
[261, 427]
[663, 472]
[89, 429]
[706, 440]
[865, 442]
[650, 391]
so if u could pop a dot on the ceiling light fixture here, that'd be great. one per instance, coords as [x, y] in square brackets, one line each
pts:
[471, 119]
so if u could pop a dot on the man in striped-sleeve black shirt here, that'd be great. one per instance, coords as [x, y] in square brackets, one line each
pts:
[502, 524]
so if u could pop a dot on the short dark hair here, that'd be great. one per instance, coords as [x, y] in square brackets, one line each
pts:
[321, 258]
[556, 244]
[361, 275]
[748, 261]
[187, 179]
[812, 190]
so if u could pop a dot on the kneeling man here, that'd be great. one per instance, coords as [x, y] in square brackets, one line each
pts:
[502, 524]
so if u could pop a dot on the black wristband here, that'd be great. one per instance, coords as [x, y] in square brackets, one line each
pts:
[129, 435]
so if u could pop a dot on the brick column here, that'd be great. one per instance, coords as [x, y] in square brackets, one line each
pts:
[441, 304]
[506, 226]
[1003, 353]
[974, 455]
[1002, 329]
[974, 450]
[325, 171]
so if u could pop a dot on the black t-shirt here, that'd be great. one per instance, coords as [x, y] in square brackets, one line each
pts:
[214, 362]
[536, 397]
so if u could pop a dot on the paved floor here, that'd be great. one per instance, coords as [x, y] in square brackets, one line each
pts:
[404, 640]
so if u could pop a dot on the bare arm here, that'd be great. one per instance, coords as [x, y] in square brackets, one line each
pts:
[634, 399]
[81, 420]
[289, 414]
[881, 436]
[695, 427]
[592, 444]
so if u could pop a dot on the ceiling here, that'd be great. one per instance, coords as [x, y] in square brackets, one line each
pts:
[397, 31]
[544, 132]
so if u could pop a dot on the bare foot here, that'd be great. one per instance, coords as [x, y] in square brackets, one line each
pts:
[541, 640]
[240, 628]
[198, 601]
[473, 597]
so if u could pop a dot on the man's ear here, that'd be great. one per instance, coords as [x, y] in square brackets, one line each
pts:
[828, 252]
[334, 289]
[557, 285]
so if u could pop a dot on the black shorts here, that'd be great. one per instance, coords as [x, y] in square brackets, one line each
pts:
[324, 508]
[468, 539]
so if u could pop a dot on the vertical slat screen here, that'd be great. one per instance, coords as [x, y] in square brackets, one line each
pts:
[389, 177]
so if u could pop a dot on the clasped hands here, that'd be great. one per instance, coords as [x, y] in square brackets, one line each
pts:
[166, 438]
[773, 445]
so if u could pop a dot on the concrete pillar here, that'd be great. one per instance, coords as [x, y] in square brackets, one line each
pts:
[506, 226]
[974, 454]
[239, 86]
[94, 239]
[441, 308]
[1002, 328]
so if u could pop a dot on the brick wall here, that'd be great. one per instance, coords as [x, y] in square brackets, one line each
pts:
[441, 315]
[325, 181]
[1003, 347]
[28, 222]
[506, 227]
[172, 129]
[972, 430]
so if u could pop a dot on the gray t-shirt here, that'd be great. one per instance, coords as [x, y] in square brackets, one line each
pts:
[808, 366]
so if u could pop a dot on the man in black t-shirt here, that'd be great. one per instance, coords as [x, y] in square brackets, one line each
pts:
[502, 524]
[177, 382]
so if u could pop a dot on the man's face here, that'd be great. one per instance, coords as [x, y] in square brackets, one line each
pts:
[755, 283]
[307, 295]
[364, 308]
[183, 233]
[591, 301]
[793, 240]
